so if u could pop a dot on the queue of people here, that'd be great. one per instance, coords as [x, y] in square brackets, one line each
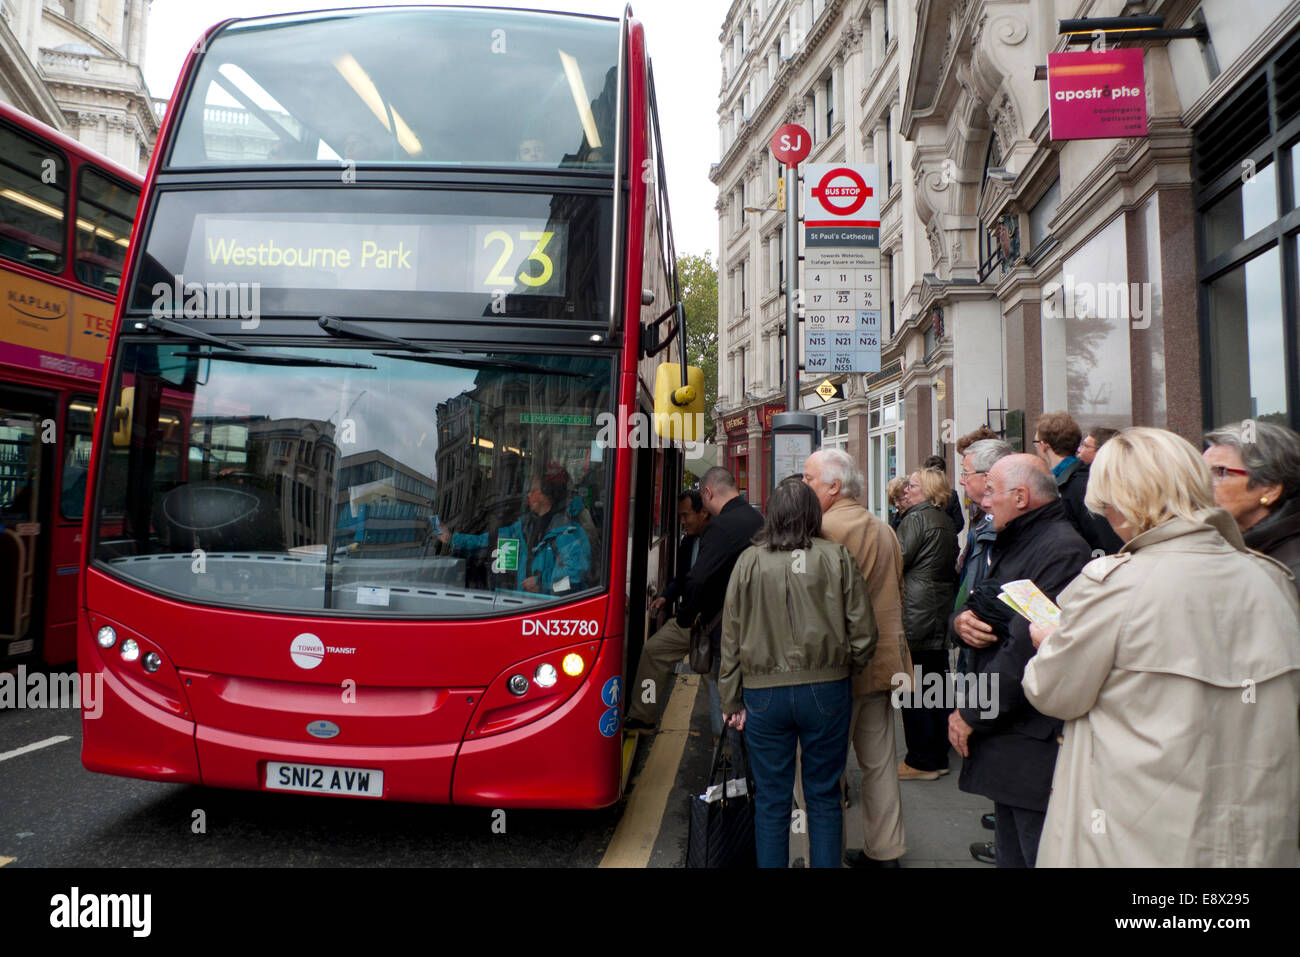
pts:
[1147, 728]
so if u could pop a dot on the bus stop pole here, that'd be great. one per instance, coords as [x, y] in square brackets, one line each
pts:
[795, 434]
[791, 280]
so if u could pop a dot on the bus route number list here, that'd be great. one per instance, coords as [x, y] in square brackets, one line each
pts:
[842, 309]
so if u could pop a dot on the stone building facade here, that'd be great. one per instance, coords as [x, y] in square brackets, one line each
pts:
[1115, 278]
[76, 66]
[1141, 281]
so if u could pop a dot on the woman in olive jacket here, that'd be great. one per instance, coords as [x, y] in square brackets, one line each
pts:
[929, 546]
[796, 625]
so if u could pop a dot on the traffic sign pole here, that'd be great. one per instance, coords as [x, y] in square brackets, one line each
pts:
[791, 281]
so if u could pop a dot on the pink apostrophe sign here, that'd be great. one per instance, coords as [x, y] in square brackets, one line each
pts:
[1097, 95]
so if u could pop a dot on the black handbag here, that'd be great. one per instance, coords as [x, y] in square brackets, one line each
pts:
[722, 818]
[702, 649]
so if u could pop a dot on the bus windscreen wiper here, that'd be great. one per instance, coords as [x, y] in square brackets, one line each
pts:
[178, 329]
[350, 330]
[271, 359]
[463, 361]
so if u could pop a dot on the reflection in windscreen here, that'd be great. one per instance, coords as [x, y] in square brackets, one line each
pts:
[356, 481]
[474, 87]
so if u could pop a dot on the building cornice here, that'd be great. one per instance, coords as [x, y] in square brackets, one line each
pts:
[883, 86]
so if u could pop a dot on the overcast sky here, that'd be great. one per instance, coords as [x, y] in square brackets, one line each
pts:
[682, 36]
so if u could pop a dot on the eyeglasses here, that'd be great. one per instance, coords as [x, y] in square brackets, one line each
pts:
[911, 485]
[1219, 472]
[967, 474]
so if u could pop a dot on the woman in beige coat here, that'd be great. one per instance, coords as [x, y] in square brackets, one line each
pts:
[1177, 669]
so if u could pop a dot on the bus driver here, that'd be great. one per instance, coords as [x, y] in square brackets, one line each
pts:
[546, 548]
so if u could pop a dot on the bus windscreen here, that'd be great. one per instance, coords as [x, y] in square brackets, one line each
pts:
[357, 481]
[469, 87]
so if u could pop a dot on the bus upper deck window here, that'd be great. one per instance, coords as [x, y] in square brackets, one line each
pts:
[406, 87]
[33, 202]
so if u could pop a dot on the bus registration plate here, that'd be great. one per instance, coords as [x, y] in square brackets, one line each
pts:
[318, 779]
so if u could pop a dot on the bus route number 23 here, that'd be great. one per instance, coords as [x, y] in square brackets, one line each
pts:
[534, 269]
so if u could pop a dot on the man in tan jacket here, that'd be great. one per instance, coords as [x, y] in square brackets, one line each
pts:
[837, 482]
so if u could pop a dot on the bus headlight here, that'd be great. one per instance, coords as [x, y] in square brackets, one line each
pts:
[152, 662]
[546, 676]
[130, 650]
[517, 684]
[573, 664]
[106, 637]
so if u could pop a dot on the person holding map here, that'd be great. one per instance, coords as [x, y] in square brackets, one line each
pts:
[1008, 747]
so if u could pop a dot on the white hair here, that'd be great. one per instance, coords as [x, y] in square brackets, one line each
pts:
[1037, 481]
[838, 465]
[984, 453]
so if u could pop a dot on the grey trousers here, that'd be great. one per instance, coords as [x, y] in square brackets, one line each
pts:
[654, 674]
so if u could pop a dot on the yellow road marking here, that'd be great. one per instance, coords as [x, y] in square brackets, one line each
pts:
[629, 755]
[634, 838]
[7, 860]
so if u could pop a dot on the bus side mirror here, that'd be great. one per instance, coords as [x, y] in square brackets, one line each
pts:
[122, 418]
[679, 410]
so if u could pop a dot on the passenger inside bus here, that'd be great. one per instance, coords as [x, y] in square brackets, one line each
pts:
[547, 549]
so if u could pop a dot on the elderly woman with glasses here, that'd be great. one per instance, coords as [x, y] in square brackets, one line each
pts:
[1255, 470]
[1176, 667]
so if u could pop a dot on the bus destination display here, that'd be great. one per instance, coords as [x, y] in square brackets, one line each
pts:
[460, 254]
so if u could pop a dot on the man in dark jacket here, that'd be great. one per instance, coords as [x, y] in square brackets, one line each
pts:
[978, 456]
[976, 463]
[1009, 748]
[732, 525]
[730, 531]
[1056, 438]
[692, 516]
[666, 646]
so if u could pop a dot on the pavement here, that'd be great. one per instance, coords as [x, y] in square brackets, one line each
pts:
[940, 822]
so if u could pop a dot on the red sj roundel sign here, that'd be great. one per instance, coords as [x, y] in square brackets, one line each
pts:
[791, 144]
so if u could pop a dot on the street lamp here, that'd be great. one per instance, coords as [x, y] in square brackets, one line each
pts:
[1119, 29]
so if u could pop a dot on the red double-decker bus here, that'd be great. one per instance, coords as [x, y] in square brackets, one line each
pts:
[65, 221]
[395, 277]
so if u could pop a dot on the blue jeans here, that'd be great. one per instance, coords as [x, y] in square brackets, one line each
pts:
[816, 718]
